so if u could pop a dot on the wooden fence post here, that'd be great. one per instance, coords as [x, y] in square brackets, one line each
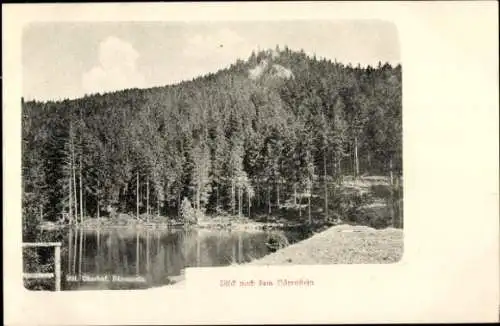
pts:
[57, 266]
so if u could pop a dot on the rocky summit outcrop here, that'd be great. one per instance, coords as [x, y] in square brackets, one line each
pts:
[265, 68]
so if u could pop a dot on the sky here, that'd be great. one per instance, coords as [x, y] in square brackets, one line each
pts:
[69, 60]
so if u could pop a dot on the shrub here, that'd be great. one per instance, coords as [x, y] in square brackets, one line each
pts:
[345, 203]
[377, 218]
[187, 212]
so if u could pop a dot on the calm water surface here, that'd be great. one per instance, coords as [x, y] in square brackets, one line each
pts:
[127, 259]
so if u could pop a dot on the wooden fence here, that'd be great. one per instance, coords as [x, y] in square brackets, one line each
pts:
[57, 263]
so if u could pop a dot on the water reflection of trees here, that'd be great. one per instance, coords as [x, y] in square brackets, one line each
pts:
[157, 255]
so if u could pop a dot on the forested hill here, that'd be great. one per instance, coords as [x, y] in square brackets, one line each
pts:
[223, 140]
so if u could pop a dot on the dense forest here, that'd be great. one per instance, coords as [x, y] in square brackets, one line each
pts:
[245, 140]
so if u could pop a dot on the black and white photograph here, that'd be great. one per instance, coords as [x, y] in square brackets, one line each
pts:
[250, 163]
[149, 148]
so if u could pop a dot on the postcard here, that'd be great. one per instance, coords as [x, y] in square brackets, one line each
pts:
[264, 162]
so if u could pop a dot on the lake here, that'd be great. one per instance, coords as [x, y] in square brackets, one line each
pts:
[142, 258]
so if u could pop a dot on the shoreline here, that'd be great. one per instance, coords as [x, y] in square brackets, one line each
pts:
[204, 225]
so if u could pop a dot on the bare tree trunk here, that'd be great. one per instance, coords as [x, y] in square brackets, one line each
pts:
[369, 162]
[198, 190]
[239, 202]
[334, 165]
[70, 199]
[217, 197]
[70, 246]
[295, 194]
[147, 198]
[249, 203]
[390, 171]
[178, 204]
[233, 199]
[198, 199]
[165, 204]
[240, 248]
[269, 198]
[80, 172]
[325, 185]
[300, 207]
[74, 179]
[356, 160]
[158, 206]
[75, 193]
[81, 192]
[257, 193]
[309, 203]
[391, 208]
[278, 194]
[137, 197]
[98, 202]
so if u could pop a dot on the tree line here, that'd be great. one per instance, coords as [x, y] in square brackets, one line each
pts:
[244, 140]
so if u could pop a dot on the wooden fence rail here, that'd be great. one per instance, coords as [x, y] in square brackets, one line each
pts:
[57, 263]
